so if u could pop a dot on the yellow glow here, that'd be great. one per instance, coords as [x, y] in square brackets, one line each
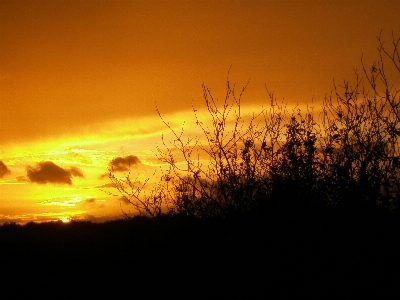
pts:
[79, 92]
[65, 219]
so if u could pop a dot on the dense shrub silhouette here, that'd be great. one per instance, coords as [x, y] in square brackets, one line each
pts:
[348, 154]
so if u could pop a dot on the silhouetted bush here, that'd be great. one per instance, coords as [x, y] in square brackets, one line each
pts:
[347, 155]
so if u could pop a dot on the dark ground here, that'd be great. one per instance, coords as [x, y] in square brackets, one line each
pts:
[314, 253]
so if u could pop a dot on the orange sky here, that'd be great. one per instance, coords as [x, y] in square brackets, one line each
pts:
[80, 80]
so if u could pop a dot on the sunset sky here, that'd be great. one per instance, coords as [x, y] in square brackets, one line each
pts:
[80, 82]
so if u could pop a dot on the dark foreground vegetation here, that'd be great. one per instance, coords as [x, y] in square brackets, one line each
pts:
[316, 253]
[289, 203]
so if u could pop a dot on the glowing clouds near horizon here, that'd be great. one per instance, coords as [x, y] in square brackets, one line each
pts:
[62, 201]
[70, 201]
[49, 172]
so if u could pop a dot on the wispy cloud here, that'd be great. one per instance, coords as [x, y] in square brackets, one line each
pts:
[49, 172]
[106, 185]
[124, 200]
[65, 201]
[61, 201]
[21, 179]
[17, 180]
[90, 200]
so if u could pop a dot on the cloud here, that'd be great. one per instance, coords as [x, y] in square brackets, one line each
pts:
[90, 200]
[124, 200]
[121, 164]
[49, 172]
[62, 201]
[74, 171]
[107, 185]
[3, 170]
[21, 179]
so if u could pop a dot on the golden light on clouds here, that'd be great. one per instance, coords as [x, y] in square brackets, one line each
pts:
[80, 83]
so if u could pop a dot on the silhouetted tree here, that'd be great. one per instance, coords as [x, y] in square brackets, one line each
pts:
[347, 155]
